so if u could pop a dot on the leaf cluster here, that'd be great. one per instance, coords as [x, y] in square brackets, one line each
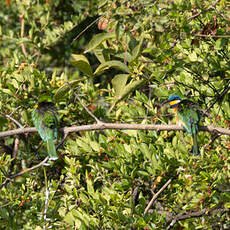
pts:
[123, 59]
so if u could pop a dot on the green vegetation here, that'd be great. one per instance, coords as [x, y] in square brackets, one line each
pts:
[123, 59]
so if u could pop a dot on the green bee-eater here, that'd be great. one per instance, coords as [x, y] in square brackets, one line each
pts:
[45, 119]
[187, 114]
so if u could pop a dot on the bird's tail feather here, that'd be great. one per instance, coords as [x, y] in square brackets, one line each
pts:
[195, 148]
[51, 149]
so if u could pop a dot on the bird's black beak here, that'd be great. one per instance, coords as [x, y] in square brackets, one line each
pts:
[165, 102]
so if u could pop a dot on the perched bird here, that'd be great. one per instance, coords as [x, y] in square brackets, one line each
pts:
[187, 114]
[45, 119]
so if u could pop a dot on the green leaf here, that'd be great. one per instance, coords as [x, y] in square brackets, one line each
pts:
[133, 85]
[119, 82]
[90, 187]
[130, 133]
[83, 145]
[136, 51]
[145, 149]
[99, 54]
[82, 63]
[59, 95]
[98, 39]
[112, 64]
[69, 218]
[193, 56]
[95, 146]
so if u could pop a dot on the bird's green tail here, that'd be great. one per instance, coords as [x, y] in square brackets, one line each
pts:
[51, 149]
[195, 148]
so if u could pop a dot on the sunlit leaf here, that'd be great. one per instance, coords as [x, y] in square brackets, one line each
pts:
[61, 92]
[112, 64]
[133, 85]
[97, 40]
[82, 63]
[119, 82]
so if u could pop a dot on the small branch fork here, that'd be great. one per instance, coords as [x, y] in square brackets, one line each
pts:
[79, 99]
[184, 216]
[17, 140]
[172, 219]
[157, 194]
[209, 8]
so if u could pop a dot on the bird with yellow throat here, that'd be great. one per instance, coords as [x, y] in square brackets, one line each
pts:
[187, 114]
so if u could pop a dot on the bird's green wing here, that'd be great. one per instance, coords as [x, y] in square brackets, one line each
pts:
[46, 122]
[37, 120]
[192, 105]
[189, 118]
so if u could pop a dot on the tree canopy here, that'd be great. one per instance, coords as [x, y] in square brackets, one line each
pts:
[109, 66]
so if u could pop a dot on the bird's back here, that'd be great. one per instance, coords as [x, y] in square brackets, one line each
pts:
[45, 120]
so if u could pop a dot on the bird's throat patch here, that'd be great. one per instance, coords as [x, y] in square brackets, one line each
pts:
[173, 103]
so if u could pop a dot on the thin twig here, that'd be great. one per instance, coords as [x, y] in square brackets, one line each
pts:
[8, 179]
[103, 126]
[12, 119]
[47, 198]
[83, 31]
[211, 36]
[17, 140]
[62, 140]
[49, 192]
[209, 8]
[212, 140]
[220, 97]
[184, 216]
[79, 99]
[157, 194]
[22, 34]
[16, 147]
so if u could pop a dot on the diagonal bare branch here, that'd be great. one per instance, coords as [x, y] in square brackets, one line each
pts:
[157, 194]
[10, 178]
[79, 99]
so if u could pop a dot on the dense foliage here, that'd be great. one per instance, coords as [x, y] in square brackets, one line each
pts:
[122, 58]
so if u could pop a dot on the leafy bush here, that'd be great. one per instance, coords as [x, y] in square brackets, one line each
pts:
[122, 59]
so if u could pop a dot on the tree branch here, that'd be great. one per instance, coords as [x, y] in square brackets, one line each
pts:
[8, 179]
[209, 8]
[17, 140]
[184, 216]
[157, 194]
[79, 99]
[22, 34]
[12, 119]
[103, 126]
[211, 36]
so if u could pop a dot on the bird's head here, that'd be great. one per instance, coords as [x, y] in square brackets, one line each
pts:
[173, 100]
[43, 99]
